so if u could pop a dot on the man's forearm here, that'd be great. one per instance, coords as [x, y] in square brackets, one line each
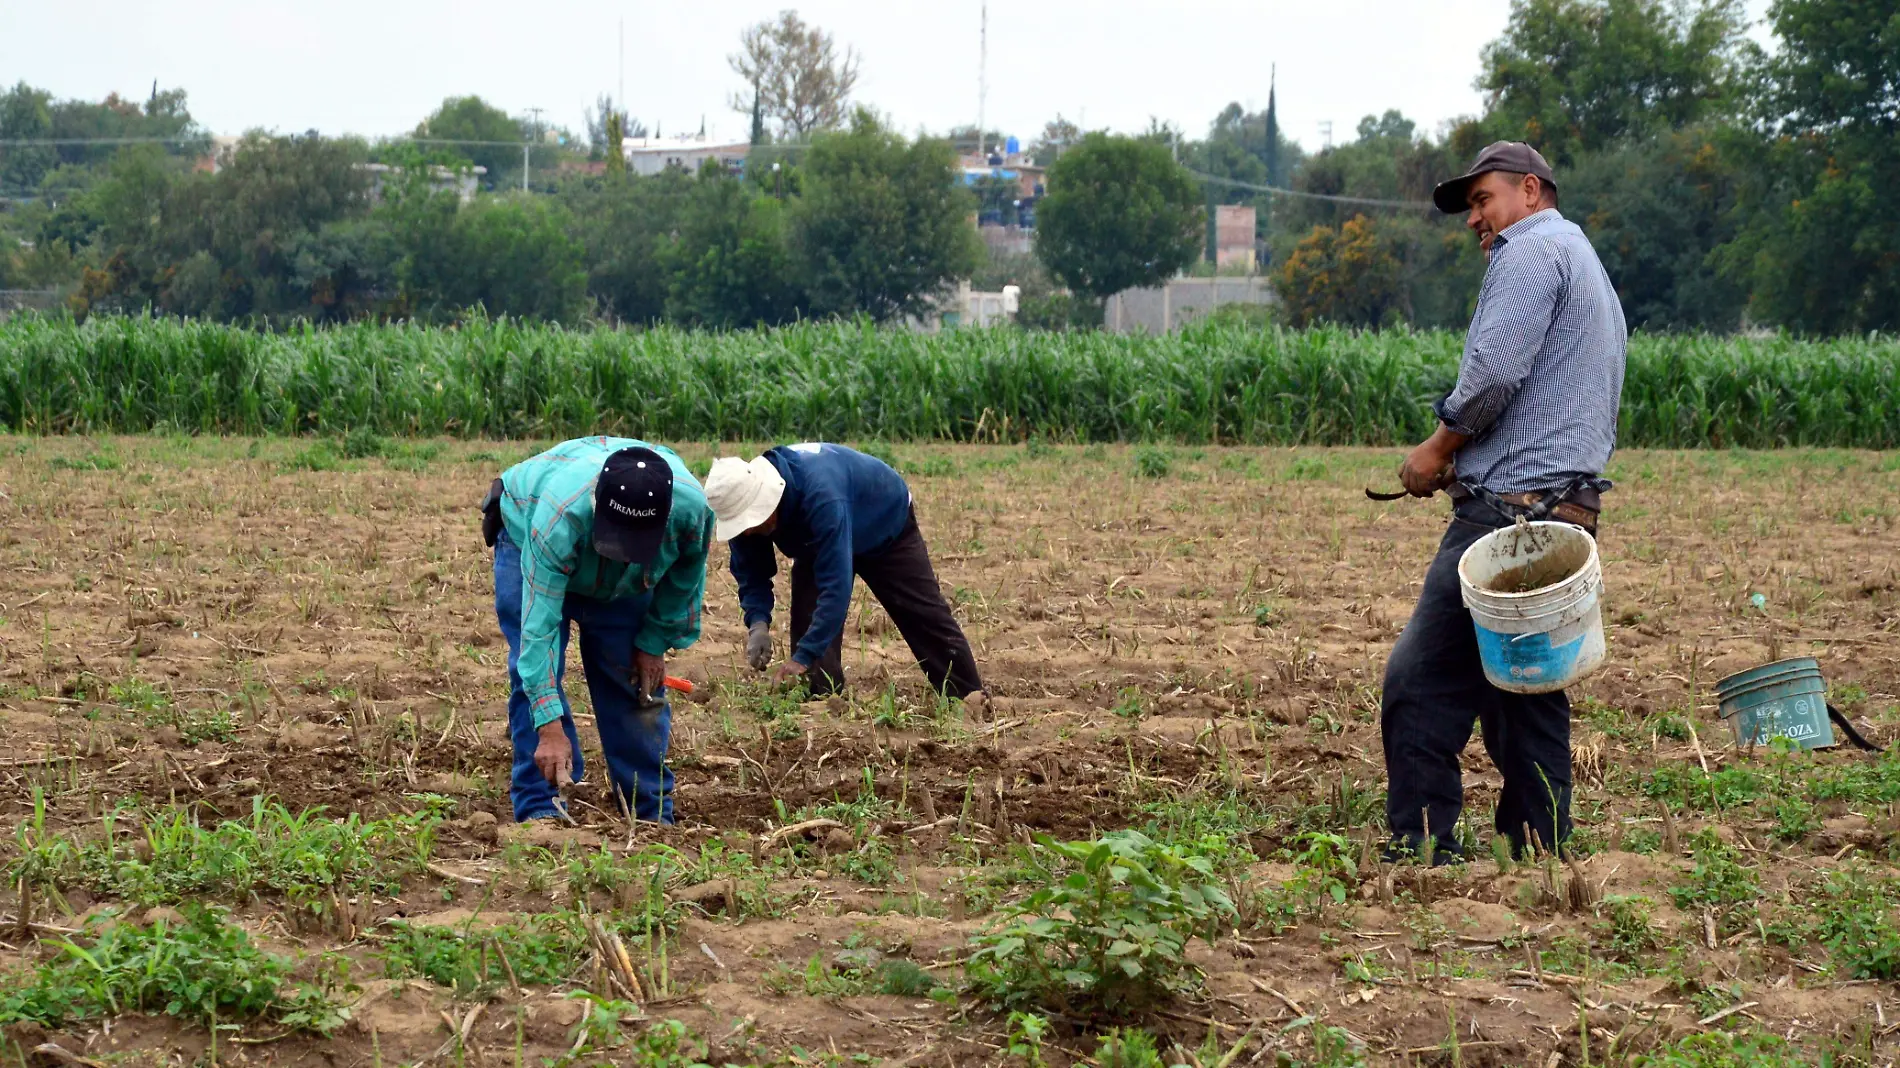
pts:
[1427, 469]
[1446, 442]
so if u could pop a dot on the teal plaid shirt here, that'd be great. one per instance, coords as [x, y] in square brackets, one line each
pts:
[547, 505]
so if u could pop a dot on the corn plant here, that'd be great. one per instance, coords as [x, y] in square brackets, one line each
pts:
[1213, 382]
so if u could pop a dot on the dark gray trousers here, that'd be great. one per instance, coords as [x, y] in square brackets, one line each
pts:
[902, 580]
[1435, 690]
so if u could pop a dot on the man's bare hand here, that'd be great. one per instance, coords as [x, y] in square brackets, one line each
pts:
[649, 671]
[1426, 470]
[553, 754]
[787, 672]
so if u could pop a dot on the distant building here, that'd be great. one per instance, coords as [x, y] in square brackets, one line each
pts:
[651, 155]
[462, 182]
[1019, 170]
[1027, 176]
[222, 145]
[1166, 308]
[1234, 237]
[966, 307]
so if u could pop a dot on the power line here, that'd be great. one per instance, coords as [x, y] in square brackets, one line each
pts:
[28, 142]
[65, 141]
[1370, 202]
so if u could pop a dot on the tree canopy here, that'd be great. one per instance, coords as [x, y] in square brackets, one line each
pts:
[1120, 212]
[794, 75]
[883, 225]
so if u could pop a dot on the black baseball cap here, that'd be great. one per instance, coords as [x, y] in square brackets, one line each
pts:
[631, 502]
[1513, 156]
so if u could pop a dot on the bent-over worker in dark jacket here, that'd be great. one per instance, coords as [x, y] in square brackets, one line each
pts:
[838, 514]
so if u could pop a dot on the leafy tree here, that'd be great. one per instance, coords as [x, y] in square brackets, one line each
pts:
[603, 141]
[512, 254]
[795, 75]
[1821, 246]
[1349, 275]
[519, 258]
[1388, 160]
[731, 263]
[214, 245]
[233, 234]
[1120, 213]
[1058, 136]
[1258, 134]
[1572, 76]
[25, 115]
[470, 118]
[1657, 209]
[882, 227]
[625, 226]
[119, 220]
[346, 270]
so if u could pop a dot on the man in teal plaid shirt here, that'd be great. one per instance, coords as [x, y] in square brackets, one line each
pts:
[610, 534]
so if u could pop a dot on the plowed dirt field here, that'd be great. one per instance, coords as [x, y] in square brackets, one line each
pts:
[202, 640]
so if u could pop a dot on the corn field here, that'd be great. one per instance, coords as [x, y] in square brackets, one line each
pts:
[1214, 383]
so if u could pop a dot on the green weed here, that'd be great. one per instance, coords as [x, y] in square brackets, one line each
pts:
[1625, 930]
[1128, 1047]
[170, 857]
[321, 456]
[92, 461]
[1105, 930]
[362, 442]
[1719, 882]
[1718, 1049]
[540, 950]
[1026, 1032]
[202, 969]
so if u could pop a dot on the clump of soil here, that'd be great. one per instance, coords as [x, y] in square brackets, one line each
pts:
[1541, 573]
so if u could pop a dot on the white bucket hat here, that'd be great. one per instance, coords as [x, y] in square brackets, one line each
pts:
[742, 495]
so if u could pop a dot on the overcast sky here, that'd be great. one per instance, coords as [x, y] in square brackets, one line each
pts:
[376, 68]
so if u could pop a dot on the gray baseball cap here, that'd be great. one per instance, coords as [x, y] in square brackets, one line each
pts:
[1513, 156]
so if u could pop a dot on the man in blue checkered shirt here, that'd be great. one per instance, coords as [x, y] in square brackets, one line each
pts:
[1527, 430]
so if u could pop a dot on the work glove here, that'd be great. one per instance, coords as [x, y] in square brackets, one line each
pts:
[758, 646]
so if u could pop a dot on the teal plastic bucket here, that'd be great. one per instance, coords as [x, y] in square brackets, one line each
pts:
[1785, 699]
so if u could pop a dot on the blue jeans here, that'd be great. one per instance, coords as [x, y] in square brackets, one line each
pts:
[633, 740]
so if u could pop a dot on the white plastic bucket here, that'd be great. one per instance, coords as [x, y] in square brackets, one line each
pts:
[1535, 593]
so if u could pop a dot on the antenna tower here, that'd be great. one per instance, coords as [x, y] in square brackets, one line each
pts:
[982, 77]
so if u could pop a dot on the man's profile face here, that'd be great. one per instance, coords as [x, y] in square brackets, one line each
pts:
[1499, 199]
[767, 528]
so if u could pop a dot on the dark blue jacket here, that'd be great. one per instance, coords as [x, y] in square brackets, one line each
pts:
[839, 504]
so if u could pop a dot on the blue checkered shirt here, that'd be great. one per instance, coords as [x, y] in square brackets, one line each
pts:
[1542, 374]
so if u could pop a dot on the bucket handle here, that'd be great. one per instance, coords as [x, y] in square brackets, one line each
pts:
[1848, 729]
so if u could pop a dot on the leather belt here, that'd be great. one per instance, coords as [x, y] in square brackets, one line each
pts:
[1581, 508]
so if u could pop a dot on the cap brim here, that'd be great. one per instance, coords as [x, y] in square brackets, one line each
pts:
[757, 512]
[628, 545]
[1452, 196]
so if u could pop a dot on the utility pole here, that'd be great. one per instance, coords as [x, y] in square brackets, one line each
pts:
[621, 100]
[527, 145]
[1326, 131]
